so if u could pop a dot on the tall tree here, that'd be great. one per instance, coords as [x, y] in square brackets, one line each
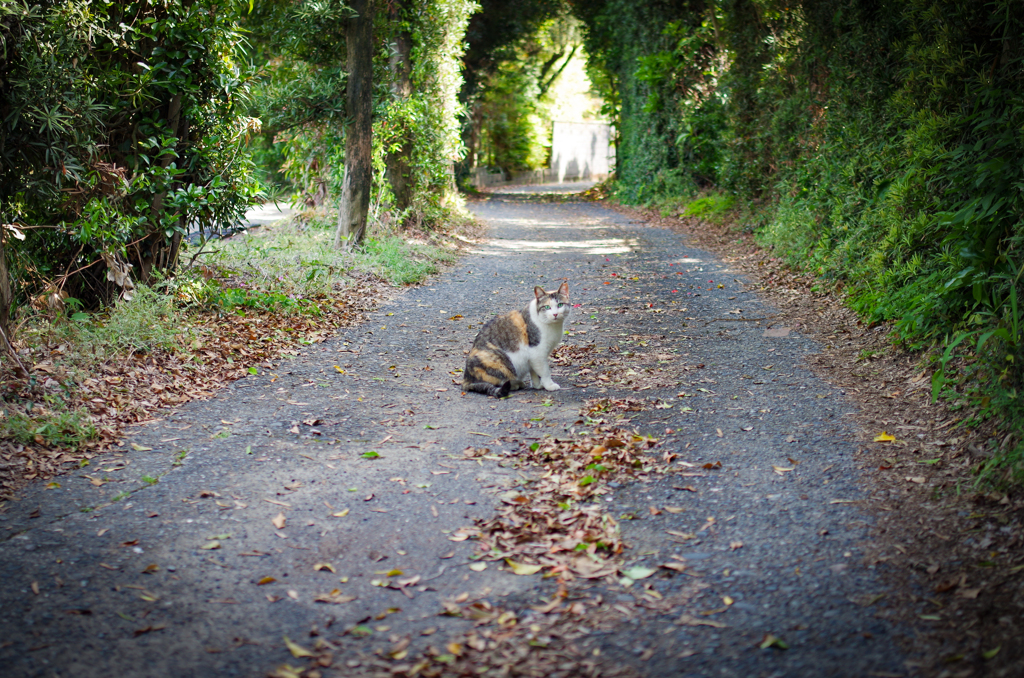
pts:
[398, 159]
[355, 192]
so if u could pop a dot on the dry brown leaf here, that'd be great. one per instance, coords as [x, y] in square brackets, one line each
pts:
[690, 620]
[335, 596]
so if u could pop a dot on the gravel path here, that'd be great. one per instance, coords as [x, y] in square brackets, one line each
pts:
[179, 563]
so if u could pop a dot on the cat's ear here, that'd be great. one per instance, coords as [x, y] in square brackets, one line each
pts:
[564, 290]
[539, 292]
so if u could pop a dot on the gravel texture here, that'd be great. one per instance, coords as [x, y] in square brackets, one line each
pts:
[126, 588]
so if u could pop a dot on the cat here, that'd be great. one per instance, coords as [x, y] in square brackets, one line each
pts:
[515, 346]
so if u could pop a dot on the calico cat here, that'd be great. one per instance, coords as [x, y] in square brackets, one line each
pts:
[514, 347]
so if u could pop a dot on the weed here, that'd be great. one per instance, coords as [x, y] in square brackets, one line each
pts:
[289, 261]
[123, 494]
[713, 207]
[146, 323]
[149, 480]
[52, 425]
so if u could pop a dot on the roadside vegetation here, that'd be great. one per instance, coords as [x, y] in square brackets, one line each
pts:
[875, 146]
[137, 136]
[246, 303]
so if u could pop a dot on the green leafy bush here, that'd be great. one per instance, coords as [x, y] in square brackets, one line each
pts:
[881, 138]
[120, 131]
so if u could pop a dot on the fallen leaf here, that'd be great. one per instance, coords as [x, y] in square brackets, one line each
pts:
[916, 479]
[772, 641]
[147, 629]
[989, 654]
[478, 567]
[297, 650]
[340, 514]
[35, 587]
[279, 521]
[152, 568]
[674, 509]
[884, 437]
[637, 572]
[266, 580]
[690, 620]
[141, 448]
[733, 545]
[324, 566]
[523, 568]
[210, 545]
[866, 599]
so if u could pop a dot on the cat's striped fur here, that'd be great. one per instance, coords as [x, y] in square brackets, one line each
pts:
[511, 351]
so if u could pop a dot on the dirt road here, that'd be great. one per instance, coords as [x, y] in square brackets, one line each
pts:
[327, 500]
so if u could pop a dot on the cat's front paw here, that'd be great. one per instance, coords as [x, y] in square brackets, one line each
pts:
[551, 386]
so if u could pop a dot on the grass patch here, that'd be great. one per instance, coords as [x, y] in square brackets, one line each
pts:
[147, 323]
[713, 207]
[281, 265]
[51, 424]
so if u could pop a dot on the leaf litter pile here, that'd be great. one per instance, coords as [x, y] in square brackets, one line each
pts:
[554, 525]
[555, 640]
[133, 388]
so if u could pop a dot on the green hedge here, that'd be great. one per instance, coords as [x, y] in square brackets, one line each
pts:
[883, 139]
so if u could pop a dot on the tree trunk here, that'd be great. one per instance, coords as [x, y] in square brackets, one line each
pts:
[152, 248]
[355, 191]
[6, 301]
[476, 121]
[401, 68]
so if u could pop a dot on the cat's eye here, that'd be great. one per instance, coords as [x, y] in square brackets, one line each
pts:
[545, 307]
[560, 304]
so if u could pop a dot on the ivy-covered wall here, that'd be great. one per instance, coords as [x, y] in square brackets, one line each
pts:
[879, 143]
[885, 136]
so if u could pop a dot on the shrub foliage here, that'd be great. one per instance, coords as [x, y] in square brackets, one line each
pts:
[883, 139]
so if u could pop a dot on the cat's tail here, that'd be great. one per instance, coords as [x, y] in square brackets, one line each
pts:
[489, 389]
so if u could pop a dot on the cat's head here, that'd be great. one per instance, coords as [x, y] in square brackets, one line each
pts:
[552, 306]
